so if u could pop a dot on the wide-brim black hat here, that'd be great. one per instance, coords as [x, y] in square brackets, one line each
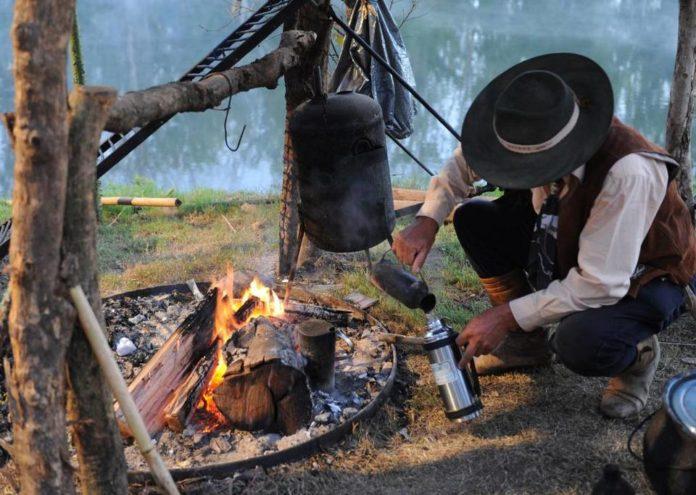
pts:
[519, 163]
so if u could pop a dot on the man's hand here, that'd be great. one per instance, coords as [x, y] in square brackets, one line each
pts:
[485, 332]
[412, 245]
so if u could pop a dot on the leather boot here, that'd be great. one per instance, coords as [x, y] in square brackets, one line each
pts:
[627, 393]
[520, 349]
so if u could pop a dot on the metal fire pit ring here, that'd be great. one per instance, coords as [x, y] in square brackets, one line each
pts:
[292, 454]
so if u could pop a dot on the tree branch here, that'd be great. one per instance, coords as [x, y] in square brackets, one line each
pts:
[137, 108]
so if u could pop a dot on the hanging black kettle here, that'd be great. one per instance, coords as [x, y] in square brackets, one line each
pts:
[341, 162]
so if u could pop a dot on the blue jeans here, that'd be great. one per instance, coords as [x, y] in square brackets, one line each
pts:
[596, 342]
[602, 341]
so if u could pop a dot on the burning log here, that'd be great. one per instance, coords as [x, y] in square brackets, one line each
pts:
[267, 390]
[171, 373]
[171, 384]
[245, 310]
[180, 410]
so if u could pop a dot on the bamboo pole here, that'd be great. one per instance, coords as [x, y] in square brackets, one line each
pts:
[102, 352]
[121, 201]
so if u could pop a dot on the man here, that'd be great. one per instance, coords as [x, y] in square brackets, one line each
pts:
[590, 232]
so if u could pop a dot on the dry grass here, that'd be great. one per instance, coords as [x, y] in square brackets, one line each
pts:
[540, 432]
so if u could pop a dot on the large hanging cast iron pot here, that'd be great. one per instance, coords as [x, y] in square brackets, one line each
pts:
[669, 444]
[340, 153]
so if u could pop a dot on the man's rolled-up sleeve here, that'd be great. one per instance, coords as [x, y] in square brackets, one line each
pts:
[609, 245]
[452, 185]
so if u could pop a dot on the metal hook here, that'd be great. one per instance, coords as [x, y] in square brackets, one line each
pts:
[239, 141]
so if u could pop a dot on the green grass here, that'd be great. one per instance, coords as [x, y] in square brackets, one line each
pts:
[403, 320]
[5, 210]
[211, 230]
[147, 246]
[456, 270]
[411, 181]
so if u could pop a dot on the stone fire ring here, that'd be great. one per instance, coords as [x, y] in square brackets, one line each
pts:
[292, 454]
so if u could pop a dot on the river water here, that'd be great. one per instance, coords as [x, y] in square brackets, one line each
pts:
[456, 47]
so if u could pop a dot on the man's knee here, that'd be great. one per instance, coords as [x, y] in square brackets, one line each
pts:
[472, 219]
[585, 343]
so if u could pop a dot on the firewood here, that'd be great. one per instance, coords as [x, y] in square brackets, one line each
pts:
[338, 317]
[317, 342]
[178, 413]
[402, 194]
[166, 375]
[246, 309]
[170, 385]
[269, 390]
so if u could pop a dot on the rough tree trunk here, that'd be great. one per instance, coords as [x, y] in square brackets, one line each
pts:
[681, 102]
[298, 89]
[38, 333]
[90, 408]
[40, 320]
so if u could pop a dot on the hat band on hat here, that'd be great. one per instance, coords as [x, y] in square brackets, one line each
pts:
[546, 145]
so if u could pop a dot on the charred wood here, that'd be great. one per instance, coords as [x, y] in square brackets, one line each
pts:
[245, 310]
[166, 376]
[316, 340]
[178, 413]
[338, 317]
[170, 385]
[268, 389]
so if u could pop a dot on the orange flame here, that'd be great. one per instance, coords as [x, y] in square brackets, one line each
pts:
[262, 300]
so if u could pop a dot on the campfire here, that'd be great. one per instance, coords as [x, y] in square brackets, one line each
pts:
[241, 368]
[231, 314]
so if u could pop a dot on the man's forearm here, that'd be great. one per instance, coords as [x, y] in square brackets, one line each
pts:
[452, 185]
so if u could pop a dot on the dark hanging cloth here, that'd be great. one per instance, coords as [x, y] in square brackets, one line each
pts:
[355, 70]
[542, 250]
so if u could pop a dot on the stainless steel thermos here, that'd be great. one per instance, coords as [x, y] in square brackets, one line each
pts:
[459, 389]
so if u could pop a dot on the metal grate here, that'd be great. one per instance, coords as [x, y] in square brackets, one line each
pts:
[224, 56]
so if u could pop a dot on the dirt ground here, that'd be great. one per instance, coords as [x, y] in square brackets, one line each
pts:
[540, 432]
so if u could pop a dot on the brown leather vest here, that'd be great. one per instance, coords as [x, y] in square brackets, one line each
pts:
[669, 249]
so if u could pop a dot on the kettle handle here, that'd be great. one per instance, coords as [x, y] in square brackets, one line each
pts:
[419, 274]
